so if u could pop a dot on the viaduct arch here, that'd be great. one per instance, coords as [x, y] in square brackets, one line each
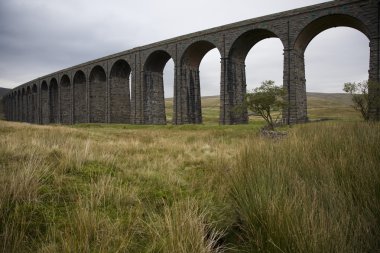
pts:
[127, 87]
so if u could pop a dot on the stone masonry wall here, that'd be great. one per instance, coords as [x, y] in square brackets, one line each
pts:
[80, 98]
[154, 102]
[44, 106]
[98, 97]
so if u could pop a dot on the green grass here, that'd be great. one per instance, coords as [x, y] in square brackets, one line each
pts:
[190, 188]
[333, 106]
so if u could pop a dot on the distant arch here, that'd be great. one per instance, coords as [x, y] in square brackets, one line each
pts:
[153, 92]
[246, 41]
[44, 103]
[80, 97]
[19, 105]
[191, 85]
[120, 105]
[65, 100]
[34, 104]
[53, 101]
[195, 52]
[24, 105]
[28, 104]
[98, 98]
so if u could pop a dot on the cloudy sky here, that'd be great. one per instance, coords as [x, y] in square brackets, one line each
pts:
[38, 37]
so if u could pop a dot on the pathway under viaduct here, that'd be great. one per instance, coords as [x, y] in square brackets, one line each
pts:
[127, 87]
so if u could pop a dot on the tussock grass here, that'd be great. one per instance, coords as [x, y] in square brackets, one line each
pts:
[316, 191]
[207, 188]
[183, 228]
[90, 188]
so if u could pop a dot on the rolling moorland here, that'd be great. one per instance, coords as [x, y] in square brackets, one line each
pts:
[193, 188]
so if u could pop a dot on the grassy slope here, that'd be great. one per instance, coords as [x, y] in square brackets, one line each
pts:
[320, 105]
[124, 188]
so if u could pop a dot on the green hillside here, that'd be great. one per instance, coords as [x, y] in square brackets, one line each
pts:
[320, 106]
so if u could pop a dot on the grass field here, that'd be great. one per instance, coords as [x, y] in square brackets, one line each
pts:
[191, 188]
[334, 106]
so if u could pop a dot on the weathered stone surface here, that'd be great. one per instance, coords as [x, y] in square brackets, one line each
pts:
[53, 102]
[80, 98]
[65, 100]
[98, 91]
[98, 95]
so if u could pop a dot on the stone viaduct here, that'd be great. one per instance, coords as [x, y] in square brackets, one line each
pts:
[99, 91]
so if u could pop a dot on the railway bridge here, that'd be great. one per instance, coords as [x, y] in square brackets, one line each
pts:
[127, 87]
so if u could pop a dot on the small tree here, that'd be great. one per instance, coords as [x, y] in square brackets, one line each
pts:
[266, 99]
[360, 96]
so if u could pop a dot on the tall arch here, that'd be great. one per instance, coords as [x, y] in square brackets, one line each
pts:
[188, 94]
[98, 97]
[153, 88]
[15, 106]
[53, 101]
[34, 104]
[23, 106]
[29, 109]
[10, 108]
[120, 105]
[80, 98]
[44, 103]
[294, 77]
[236, 87]
[65, 100]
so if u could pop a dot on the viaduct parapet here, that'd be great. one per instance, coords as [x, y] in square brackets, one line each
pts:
[99, 91]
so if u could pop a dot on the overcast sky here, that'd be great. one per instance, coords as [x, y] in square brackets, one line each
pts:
[38, 37]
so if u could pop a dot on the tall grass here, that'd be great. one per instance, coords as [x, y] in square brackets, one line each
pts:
[183, 228]
[316, 191]
[91, 189]
[120, 188]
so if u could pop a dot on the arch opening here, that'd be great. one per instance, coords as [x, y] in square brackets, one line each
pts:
[120, 105]
[98, 97]
[53, 101]
[80, 97]
[153, 90]
[65, 100]
[332, 58]
[191, 83]
[168, 76]
[261, 52]
[297, 87]
[209, 76]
